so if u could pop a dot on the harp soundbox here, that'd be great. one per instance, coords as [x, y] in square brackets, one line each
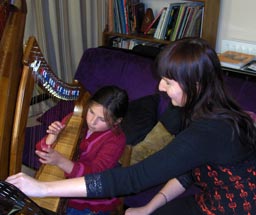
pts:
[36, 70]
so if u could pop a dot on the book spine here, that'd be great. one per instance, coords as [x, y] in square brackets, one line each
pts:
[194, 28]
[122, 15]
[175, 12]
[183, 22]
[165, 22]
[138, 11]
[156, 35]
[110, 15]
[188, 17]
[191, 14]
[175, 31]
[125, 8]
[117, 17]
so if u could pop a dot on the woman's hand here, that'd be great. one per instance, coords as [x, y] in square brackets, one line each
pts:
[28, 185]
[137, 211]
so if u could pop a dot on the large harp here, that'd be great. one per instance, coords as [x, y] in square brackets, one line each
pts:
[11, 50]
[18, 73]
[36, 69]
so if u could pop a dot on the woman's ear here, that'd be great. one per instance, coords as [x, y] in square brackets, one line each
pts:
[118, 121]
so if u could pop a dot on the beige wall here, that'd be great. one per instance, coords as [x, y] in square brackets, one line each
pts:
[237, 20]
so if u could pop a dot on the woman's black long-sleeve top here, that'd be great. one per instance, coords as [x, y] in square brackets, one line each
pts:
[208, 153]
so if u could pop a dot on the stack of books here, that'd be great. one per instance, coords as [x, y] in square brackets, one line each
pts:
[235, 60]
[178, 20]
[125, 16]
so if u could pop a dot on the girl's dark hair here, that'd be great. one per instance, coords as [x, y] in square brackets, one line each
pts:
[114, 100]
[196, 67]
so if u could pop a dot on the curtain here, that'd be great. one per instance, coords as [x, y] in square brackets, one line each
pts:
[64, 29]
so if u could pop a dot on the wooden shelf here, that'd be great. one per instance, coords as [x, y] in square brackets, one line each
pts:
[143, 37]
[245, 73]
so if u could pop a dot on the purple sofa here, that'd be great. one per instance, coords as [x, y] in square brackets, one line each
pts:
[134, 72]
[105, 66]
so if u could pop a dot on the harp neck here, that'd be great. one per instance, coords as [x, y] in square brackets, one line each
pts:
[44, 76]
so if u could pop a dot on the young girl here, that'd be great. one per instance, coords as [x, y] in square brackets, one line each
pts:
[214, 149]
[99, 150]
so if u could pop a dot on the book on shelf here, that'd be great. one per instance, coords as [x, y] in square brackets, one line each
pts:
[192, 11]
[180, 19]
[189, 20]
[178, 22]
[121, 10]
[160, 24]
[174, 11]
[111, 15]
[165, 23]
[137, 14]
[125, 16]
[117, 19]
[195, 26]
[183, 22]
[235, 60]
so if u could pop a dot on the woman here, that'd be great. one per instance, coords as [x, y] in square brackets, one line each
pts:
[215, 148]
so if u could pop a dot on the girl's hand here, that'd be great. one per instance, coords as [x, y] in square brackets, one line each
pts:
[53, 131]
[28, 185]
[53, 157]
[50, 156]
[137, 211]
[55, 128]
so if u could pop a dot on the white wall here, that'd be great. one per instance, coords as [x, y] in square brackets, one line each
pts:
[237, 20]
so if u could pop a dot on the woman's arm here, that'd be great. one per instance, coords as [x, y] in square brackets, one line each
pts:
[169, 192]
[66, 188]
[170, 162]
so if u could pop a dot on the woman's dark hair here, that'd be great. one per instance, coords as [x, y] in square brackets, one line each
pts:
[114, 100]
[196, 67]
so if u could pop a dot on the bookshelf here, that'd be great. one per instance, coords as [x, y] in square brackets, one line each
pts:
[209, 28]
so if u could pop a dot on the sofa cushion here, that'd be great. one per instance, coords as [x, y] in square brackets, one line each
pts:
[140, 118]
[154, 141]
